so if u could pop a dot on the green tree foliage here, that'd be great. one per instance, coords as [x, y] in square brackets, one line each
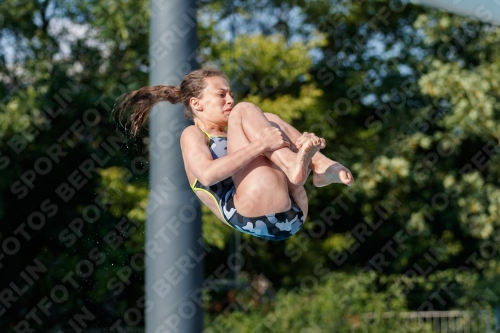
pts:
[313, 309]
[409, 102]
[460, 79]
[62, 64]
[406, 97]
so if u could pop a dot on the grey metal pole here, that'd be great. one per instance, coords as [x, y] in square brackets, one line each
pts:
[482, 10]
[173, 231]
[496, 311]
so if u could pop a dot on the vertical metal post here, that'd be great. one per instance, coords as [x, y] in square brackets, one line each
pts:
[488, 323]
[173, 231]
[235, 241]
[237, 234]
[496, 310]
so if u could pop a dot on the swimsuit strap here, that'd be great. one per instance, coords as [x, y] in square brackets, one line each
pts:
[208, 135]
[209, 138]
[213, 136]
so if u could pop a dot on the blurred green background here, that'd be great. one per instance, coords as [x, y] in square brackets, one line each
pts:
[408, 98]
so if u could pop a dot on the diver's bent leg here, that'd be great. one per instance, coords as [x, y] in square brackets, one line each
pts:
[252, 121]
[299, 195]
[261, 187]
[325, 171]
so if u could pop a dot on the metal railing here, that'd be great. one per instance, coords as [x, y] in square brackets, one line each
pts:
[389, 322]
[428, 322]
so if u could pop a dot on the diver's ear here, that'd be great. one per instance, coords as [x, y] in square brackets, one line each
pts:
[195, 104]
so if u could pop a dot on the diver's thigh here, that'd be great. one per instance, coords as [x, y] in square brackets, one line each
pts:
[261, 188]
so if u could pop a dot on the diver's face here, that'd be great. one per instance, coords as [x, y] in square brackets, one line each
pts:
[216, 101]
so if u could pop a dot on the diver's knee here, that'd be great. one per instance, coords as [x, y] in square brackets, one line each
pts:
[273, 117]
[243, 108]
[275, 120]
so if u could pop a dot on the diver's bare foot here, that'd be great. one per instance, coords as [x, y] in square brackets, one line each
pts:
[331, 172]
[304, 156]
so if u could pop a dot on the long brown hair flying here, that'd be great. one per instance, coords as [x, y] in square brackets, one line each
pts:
[142, 100]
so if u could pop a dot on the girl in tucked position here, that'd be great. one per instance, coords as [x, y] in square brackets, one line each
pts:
[251, 177]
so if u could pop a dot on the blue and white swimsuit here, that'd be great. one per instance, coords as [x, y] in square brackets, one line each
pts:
[276, 226]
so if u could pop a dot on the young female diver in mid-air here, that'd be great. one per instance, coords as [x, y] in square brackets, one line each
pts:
[252, 176]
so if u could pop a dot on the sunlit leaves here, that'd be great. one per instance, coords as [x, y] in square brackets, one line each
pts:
[337, 303]
[214, 232]
[263, 65]
[289, 107]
